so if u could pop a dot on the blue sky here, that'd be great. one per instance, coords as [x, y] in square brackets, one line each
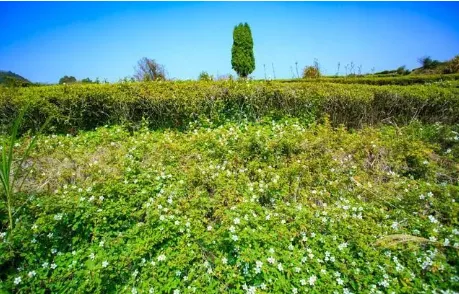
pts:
[44, 41]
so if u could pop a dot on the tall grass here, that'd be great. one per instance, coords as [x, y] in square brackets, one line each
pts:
[9, 175]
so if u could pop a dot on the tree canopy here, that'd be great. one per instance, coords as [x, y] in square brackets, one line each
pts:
[242, 57]
[149, 70]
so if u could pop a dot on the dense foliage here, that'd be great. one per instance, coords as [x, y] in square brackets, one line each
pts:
[67, 80]
[175, 104]
[385, 80]
[242, 57]
[204, 76]
[311, 72]
[276, 206]
[232, 187]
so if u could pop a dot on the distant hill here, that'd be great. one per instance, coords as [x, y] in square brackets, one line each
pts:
[9, 78]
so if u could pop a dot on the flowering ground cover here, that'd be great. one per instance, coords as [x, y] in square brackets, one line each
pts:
[268, 206]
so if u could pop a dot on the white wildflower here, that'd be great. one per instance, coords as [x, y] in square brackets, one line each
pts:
[162, 257]
[280, 267]
[312, 280]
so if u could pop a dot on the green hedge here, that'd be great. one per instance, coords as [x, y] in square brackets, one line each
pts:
[175, 104]
[378, 80]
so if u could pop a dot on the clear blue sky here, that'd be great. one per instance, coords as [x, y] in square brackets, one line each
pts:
[45, 41]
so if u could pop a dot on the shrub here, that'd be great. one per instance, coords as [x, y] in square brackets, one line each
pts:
[174, 104]
[428, 63]
[311, 72]
[386, 80]
[204, 76]
[402, 70]
[454, 65]
[67, 80]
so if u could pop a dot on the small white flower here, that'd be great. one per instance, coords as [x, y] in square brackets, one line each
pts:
[312, 280]
[280, 267]
[342, 246]
[224, 260]
[294, 290]
[303, 282]
[53, 265]
[91, 255]
[17, 280]
[209, 228]
[162, 257]
[31, 274]
[237, 221]
[340, 281]
[432, 219]
[234, 238]
[105, 263]
[271, 260]
[134, 291]
[176, 291]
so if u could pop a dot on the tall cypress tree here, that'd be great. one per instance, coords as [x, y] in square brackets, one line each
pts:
[242, 58]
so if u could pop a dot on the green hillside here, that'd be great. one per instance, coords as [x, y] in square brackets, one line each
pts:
[9, 78]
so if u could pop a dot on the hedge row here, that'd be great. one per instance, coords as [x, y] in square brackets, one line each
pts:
[375, 80]
[175, 104]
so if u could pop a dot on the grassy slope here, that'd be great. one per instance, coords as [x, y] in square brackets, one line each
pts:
[11, 78]
[197, 210]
